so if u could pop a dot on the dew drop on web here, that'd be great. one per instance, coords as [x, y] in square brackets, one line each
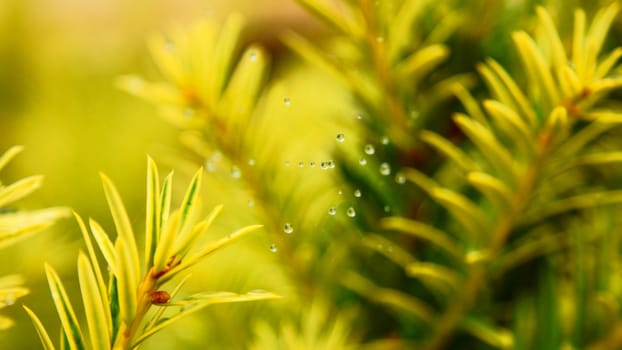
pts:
[288, 228]
[385, 169]
[400, 178]
[9, 299]
[351, 212]
[236, 173]
[369, 149]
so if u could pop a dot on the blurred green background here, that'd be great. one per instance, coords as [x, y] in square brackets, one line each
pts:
[59, 60]
[58, 63]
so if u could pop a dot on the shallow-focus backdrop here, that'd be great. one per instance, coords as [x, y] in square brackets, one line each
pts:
[59, 61]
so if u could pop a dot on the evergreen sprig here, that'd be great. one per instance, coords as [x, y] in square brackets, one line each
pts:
[115, 313]
[526, 141]
[384, 54]
[16, 225]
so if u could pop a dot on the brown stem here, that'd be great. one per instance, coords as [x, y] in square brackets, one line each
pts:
[146, 288]
[381, 65]
[478, 272]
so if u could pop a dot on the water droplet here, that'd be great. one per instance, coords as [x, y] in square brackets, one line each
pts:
[369, 149]
[188, 113]
[340, 192]
[257, 292]
[301, 164]
[288, 228]
[363, 161]
[357, 193]
[387, 208]
[251, 162]
[250, 203]
[351, 212]
[9, 299]
[135, 84]
[252, 56]
[273, 248]
[287, 102]
[341, 137]
[332, 211]
[210, 166]
[287, 163]
[400, 178]
[169, 46]
[330, 164]
[236, 173]
[384, 140]
[324, 165]
[385, 169]
[312, 164]
[359, 116]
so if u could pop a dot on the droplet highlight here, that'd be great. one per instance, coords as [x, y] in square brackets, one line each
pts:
[188, 113]
[400, 178]
[169, 46]
[385, 169]
[341, 137]
[210, 166]
[369, 149]
[351, 212]
[288, 228]
[236, 173]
